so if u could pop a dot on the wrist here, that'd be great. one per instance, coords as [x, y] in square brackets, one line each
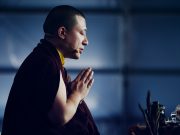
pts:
[75, 97]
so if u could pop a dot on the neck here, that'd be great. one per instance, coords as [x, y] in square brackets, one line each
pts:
[52, 39]
[55, 41]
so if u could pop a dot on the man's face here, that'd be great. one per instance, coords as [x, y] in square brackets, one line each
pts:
[75, 39]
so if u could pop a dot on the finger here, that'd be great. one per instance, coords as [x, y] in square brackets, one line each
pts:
[89, 85]
[90, 76]
[80, 75]
[85, 74]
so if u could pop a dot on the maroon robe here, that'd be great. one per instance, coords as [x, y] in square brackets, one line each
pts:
[32, 95]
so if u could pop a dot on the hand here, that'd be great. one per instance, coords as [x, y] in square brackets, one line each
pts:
[83, 82]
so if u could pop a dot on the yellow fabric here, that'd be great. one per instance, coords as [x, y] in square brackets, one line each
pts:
[61, 57]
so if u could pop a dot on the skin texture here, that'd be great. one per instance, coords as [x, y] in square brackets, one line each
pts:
[71, 44]
[74, 40]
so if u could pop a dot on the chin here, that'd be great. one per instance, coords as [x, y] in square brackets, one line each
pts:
[77, 56]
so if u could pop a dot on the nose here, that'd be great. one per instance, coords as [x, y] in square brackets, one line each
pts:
[85, 41]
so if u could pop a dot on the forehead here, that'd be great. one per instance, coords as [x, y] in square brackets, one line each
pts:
[80, 22]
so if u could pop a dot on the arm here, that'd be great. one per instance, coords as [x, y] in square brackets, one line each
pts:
[64, 107]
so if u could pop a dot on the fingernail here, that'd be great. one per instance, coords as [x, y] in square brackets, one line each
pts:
[93, 80]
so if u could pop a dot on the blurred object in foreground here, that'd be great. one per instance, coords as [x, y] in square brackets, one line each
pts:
[155, 121]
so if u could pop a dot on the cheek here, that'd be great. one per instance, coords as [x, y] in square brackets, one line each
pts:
[70, 41]
[74, 41]
[77, 41]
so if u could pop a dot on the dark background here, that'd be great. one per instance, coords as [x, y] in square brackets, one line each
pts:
[133, 47]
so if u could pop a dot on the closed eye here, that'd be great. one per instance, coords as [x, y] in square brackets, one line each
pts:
[83, 32]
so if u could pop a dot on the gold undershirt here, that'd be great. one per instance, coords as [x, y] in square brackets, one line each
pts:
[61, 57]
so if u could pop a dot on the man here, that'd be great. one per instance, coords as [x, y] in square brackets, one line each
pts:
[42, 100]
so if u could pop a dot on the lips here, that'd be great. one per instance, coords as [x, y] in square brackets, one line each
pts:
[81, 50]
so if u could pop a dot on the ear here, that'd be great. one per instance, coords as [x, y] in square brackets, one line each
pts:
[62, 32]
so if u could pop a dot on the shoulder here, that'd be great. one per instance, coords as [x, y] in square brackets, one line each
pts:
[43, 55]
[41, 62]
